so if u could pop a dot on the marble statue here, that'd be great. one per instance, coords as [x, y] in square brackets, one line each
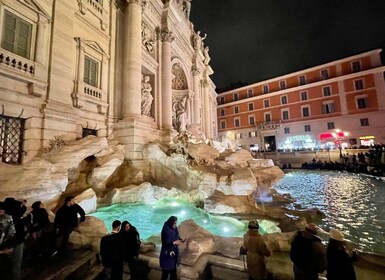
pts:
[197, 40]
[147, 42]
[186, 7]
[179, 108]
[207, 59]
[146, 96]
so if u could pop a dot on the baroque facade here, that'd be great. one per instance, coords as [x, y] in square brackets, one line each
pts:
[334, 105]
[133, 69]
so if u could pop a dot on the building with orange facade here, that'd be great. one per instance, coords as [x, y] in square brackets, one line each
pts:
[337, 104]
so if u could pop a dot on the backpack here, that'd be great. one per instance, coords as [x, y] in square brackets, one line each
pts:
[301, 251]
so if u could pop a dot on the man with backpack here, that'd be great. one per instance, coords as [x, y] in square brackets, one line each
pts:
[308, 254]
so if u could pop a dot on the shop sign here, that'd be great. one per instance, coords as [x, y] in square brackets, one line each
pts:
[366, 137]
[299, 138]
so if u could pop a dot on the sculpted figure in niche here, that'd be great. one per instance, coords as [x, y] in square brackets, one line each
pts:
[198, 40]
[146, 96]
[147, 42]
[179, 107]
[206, 55]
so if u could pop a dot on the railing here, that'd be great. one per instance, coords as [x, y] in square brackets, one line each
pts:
[17, 62]
[92, 91]
[96, 5]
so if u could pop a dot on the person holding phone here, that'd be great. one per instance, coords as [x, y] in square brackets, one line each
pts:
[169, 252]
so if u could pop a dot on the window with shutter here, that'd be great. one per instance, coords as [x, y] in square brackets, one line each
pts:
[17, 34]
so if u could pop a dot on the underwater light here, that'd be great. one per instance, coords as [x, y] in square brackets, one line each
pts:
[174, 204]
[225, 229]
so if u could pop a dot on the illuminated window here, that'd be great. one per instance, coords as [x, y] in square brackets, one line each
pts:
[238, 135]
[328, 107]
[252, 134]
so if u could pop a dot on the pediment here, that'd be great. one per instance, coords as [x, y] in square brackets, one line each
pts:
[95, 45]
[35, 6]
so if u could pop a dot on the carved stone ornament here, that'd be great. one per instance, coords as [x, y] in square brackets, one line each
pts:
[165, 35]
[204, 83]
[195, 71]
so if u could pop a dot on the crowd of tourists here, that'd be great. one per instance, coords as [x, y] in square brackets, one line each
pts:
[33, 233]
[309, 256]
[371, 162]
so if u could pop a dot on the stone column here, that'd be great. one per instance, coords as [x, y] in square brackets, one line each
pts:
[207, 125]
[166, 37]
[196, 99]
[132, 60]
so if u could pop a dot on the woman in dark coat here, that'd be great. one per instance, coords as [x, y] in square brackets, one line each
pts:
[339, 258]
[169, 253]
[131, 245]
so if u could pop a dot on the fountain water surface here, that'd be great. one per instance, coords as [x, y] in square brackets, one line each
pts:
[352, 203]
[149, 218]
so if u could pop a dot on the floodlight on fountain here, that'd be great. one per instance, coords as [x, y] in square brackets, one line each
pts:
[183, 212]
[226, 229]
[174, 204]
[205, 221]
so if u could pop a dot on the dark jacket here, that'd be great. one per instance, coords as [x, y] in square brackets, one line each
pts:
[316, 259]
[16, 209]
[131, 242]
[37, 219]
[112, 250]
[169, 253]
[340, 264]
[67, 217]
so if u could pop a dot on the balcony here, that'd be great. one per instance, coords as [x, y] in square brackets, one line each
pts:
[268, 125]
[85, 93]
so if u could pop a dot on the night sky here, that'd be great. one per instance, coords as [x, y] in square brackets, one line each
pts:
[254, 40]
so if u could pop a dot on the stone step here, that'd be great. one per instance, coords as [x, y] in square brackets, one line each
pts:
[73, 265]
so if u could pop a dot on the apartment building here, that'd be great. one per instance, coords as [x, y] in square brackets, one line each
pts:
[69, 69]
[337, 104]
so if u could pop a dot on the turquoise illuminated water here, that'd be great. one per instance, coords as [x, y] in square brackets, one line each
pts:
[149, 218]
[352, 203]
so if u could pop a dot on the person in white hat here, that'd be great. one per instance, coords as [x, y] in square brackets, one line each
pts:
[340, 262]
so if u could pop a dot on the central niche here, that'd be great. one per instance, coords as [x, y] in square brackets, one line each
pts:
[179, 82]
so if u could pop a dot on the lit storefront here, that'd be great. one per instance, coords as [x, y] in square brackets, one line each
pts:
[299, 142]
[367, 140]
[333, 140]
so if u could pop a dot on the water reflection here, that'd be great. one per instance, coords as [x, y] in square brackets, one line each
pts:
[352, 203]
[149, 218]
